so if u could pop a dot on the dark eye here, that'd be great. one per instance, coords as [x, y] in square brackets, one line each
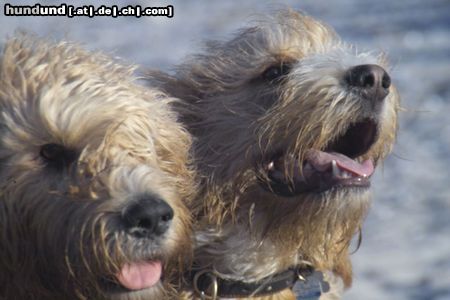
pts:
[57, 156]
[275, 72]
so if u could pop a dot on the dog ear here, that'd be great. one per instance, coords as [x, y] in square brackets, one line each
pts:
[174, 86]
[178, 88]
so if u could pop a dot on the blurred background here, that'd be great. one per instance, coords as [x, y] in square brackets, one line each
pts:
[405, 252]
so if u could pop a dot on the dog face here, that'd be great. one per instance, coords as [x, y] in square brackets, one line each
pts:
[94, 178]
[291, 123]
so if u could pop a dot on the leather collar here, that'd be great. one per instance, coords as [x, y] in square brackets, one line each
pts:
[305, 282]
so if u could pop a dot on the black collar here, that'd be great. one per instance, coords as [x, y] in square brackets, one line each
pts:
[305, 282]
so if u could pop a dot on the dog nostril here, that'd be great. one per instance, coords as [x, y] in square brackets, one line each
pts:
[148, 217]
[167, 217]
[386, 81]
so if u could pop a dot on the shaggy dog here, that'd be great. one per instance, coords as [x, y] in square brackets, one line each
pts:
[94, 178]
[290, 123]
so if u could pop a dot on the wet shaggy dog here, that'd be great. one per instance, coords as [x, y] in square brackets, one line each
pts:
[94, 178]
[290, 123]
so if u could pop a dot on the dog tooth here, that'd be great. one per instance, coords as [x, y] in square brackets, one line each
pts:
[335, 169]
[307, 167]
[346, 174]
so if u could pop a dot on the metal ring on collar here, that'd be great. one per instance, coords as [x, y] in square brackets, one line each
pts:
[298, 271]
[215, 285]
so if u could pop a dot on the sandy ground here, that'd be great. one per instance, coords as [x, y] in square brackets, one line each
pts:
[406, 248]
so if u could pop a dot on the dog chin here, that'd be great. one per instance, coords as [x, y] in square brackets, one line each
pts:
[154, 292]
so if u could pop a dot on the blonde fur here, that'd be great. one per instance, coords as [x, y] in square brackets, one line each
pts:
[59, 235]
[246, 232]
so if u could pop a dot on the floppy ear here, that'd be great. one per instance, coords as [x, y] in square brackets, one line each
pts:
[186, 93]
[173, 86]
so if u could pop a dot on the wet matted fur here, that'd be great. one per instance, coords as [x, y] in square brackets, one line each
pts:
[79, 141]
[264, 107]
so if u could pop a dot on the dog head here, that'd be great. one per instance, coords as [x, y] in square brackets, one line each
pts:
[291, 123]
[94, 178]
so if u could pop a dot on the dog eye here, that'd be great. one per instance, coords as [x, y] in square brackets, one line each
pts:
[57, 156]
[276, 72]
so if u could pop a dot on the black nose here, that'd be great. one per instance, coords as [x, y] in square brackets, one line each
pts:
[372, 80]
[149, 216]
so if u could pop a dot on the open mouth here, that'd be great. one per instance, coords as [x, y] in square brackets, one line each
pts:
[140, 275]
[340, 164]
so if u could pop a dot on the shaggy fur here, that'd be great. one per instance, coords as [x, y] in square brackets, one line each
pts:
[241, 119]
[61, 235]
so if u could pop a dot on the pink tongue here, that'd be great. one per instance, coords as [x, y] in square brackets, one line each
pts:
[322, 161]
[138, 276]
